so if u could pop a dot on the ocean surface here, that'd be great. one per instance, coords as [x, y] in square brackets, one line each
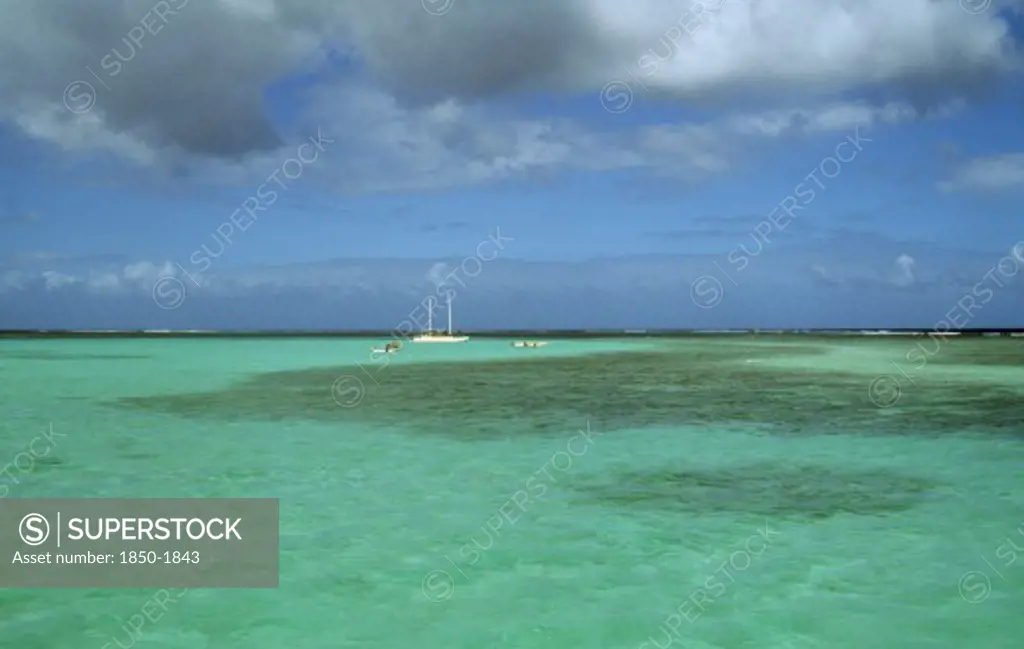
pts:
[734, 492]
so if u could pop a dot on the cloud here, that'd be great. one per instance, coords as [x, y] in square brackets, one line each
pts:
[850, 261]
[394, 146]
[846, 261]
[422, 92]
[905, 274]
[97, 274]
[987, 173]
[751, 47]
[835, 117]
[195, 85]
[55, 280]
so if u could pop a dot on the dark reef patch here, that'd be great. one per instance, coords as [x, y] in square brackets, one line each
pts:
[681, 384]
[807, 492]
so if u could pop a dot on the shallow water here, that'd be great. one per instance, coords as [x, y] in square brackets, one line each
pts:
[446, 497]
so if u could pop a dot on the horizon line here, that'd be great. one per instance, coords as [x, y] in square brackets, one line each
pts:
[501, 332]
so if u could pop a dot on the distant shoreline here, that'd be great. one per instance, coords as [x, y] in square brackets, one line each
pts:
[511, 333]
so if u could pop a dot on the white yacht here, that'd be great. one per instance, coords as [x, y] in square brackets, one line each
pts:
[431, 336]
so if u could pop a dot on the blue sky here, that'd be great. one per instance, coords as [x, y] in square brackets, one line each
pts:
[630, 159]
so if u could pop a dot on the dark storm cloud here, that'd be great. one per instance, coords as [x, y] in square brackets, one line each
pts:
[187, 77]
[178, 73]
[478, 49]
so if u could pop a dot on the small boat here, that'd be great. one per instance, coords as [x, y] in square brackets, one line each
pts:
[431, 336]
[390, 348]
[528, 343]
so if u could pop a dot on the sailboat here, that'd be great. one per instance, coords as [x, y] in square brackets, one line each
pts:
[431, 336]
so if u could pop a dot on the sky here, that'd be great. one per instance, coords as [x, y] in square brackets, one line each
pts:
[333, 164]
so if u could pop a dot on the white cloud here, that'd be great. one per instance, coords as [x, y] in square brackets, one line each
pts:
[832, 117]
[83, 133]
[103, 282]
[843, 261]
[191, 97]
[96, 277]
[55, 280]
[988, 173]
[905, 274]
[146, 274]
[14, 280]
[391, 146]
[767, 47]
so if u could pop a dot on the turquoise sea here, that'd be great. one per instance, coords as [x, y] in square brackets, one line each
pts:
[765, 492]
